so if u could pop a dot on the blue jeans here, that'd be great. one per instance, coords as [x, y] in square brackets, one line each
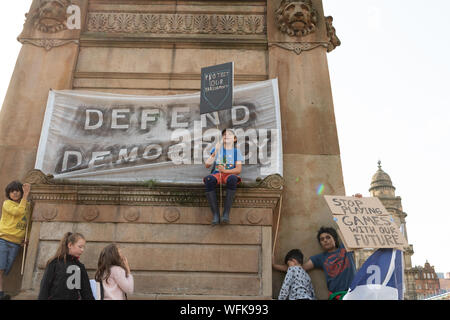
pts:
[8, 252]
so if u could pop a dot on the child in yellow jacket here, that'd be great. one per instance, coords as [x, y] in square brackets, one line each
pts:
[13, 224]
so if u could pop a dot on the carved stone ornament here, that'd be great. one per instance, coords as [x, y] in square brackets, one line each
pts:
[298, 48]
[333, 40]
[36, 176]
[50, 16]
[47, 44]
[90, 214]
[171, 214]
[254, 217]
[130, 22]
[131, 214]
[274, 181]
[296, 17]
[50, 214]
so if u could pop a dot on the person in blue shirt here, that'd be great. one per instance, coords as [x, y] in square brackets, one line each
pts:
[226, 161]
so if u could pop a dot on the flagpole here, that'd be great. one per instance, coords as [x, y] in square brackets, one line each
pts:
[220, 173]
[278, 225]
[25, 246]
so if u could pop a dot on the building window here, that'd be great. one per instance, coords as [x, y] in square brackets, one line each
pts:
[402, 229]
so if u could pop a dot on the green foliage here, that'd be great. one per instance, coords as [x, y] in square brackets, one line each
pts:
[151, 183]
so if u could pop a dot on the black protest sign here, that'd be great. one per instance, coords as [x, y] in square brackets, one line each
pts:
[216, 88]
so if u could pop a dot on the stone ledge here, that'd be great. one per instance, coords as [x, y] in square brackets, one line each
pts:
[261, 194]
[154, 233]
[105, 213]
[32, 295]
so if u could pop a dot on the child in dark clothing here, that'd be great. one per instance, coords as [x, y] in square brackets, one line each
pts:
[65, 277]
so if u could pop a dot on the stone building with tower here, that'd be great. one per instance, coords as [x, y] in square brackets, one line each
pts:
[381, 187]
[426, 281]
[158, 48]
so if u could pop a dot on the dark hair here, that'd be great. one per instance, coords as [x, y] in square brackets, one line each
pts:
[294, 254]
[109, 257]
[331, 231]
[63, 248]
[232, 131]
[13, 186]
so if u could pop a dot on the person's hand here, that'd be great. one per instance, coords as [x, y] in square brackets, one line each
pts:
[215, 150]
[24, 242]
[125, 262]
[221, 168]
[26, 187]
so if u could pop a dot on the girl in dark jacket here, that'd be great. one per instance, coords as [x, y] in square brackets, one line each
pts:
[65, 277]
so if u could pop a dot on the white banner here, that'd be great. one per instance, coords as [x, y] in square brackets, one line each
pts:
[92, 136]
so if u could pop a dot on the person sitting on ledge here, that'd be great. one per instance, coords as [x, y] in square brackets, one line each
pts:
[226, 169]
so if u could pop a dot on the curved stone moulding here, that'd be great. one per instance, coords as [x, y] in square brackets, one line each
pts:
[171, 215]
[90, 214]
[131, 214]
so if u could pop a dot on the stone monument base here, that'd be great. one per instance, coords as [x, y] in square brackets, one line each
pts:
[165, 232]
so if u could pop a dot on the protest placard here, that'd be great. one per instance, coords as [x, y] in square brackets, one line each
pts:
[365, 223]
[216, 88]
[364, 231]
[354, 205]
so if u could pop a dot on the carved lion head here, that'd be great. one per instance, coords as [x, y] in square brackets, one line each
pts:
[296, 17]
[331, 33]
[51, 15]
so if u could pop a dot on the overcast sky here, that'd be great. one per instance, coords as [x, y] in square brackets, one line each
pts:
[390, 82]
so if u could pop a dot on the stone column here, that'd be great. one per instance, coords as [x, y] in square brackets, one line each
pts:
[50, 39]
[297, 52]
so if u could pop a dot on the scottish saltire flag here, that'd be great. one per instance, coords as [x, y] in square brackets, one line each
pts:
[379, 278]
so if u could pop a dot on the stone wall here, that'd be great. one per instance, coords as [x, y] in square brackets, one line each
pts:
[165, 233]
[159, 47]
